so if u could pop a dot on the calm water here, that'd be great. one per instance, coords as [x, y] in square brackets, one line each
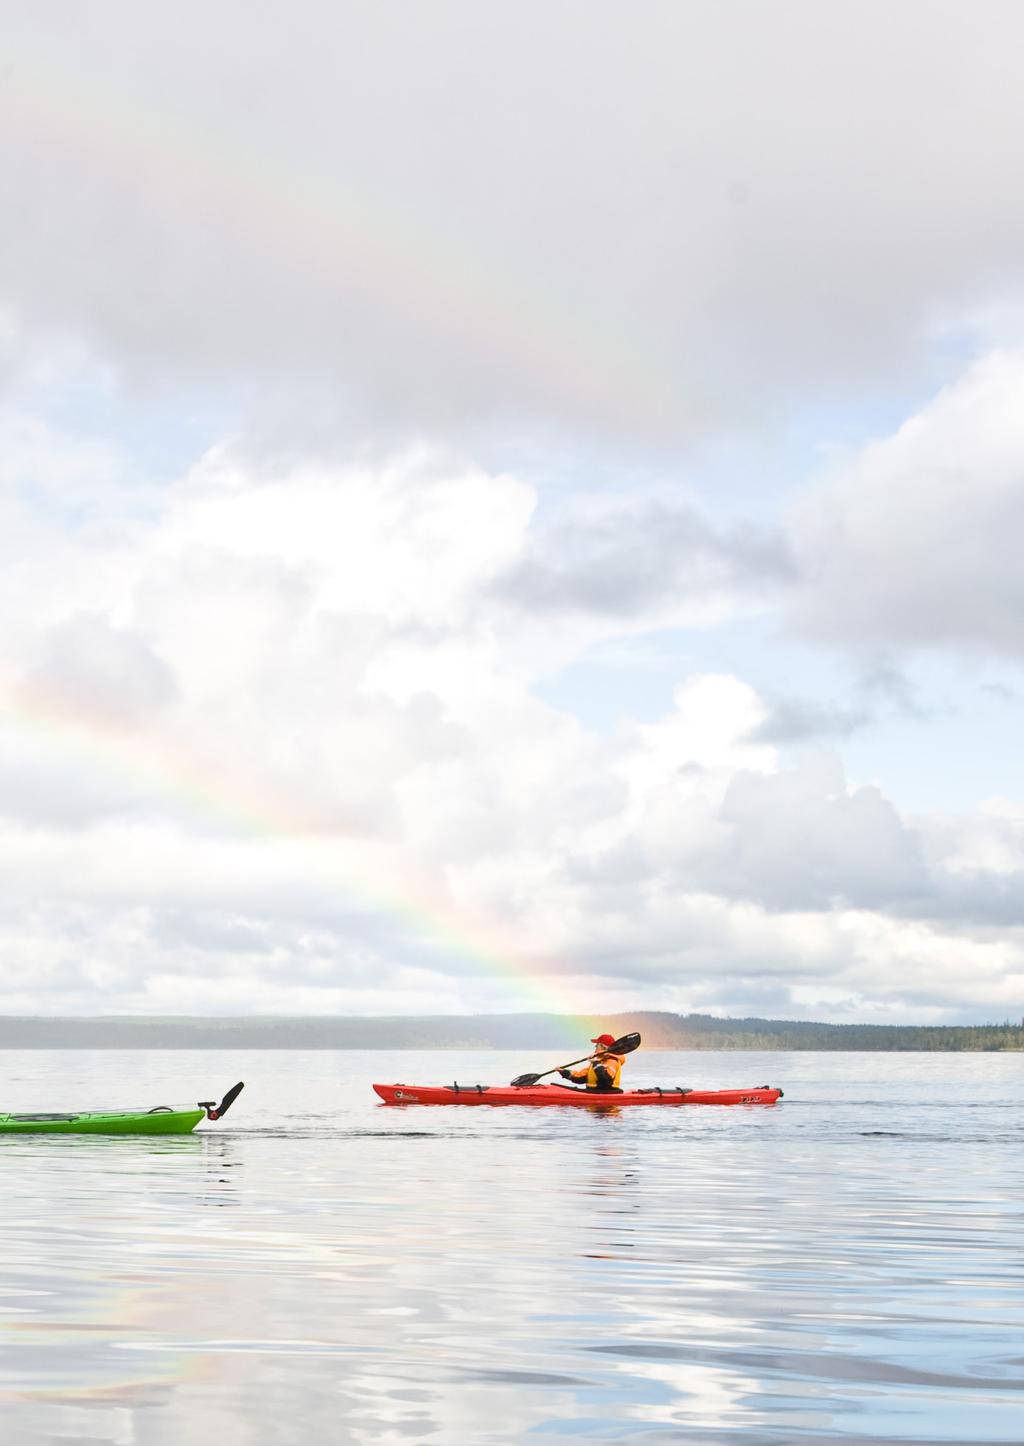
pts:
[319, 1268]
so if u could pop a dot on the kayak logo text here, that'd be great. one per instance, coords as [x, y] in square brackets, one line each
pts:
[405, 1095]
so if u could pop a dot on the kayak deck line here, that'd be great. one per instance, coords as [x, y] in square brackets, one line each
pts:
[553, 1094]
[158, 1120]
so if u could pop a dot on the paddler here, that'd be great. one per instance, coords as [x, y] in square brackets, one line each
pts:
[603, 1069]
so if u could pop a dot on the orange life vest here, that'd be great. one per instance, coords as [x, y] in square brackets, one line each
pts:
[610, 1063]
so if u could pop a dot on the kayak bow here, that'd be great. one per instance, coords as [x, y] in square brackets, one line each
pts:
[160, 1120]
[456, 1094]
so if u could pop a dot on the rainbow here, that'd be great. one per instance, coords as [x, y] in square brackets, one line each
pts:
[410, 903]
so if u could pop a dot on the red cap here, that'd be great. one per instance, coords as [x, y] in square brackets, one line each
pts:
[603, 1039]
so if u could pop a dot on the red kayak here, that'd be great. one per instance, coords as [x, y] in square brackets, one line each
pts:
[551, 1094]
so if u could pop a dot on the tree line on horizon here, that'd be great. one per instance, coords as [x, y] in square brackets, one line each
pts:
[660, 1030]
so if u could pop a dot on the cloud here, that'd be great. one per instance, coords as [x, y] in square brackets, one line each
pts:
[915, 544]
[881, 689]
[631, 558]
[272, 740]
[97, 668]
[442, 222]
[732, 824]
[800, 838]
[798, 720]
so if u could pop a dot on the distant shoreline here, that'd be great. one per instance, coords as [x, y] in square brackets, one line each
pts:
[660, 1030]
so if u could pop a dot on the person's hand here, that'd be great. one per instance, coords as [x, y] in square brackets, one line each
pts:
[565, 1073]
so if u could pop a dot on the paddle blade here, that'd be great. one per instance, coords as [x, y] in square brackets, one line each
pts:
[522, 1080]
[625, 1045]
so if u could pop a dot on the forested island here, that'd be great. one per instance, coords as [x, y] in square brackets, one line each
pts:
[491, 1031]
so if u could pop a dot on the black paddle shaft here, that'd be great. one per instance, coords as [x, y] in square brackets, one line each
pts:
[625, 1045]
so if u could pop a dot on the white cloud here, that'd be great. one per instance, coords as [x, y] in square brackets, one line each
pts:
[100, 669]
[916, 544]
[273, 740]
[651, 559]
[645, 223]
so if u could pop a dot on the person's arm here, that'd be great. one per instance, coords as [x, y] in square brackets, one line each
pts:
[577, 1077]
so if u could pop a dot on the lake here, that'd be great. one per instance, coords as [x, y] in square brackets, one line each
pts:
[844, 1267]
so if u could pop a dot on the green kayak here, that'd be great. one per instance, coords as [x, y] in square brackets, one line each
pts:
[160, 1120]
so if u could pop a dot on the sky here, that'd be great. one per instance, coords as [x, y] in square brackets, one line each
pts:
[514, 506]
